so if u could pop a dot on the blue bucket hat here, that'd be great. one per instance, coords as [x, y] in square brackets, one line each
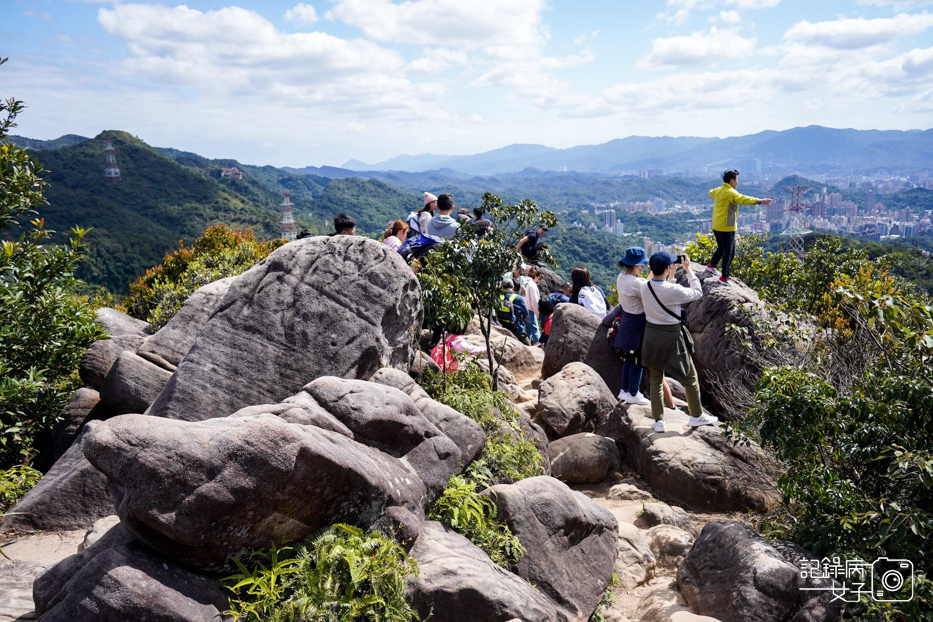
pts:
[660, 262]
[635, 256]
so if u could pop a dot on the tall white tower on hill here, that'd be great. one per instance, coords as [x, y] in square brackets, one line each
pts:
[111, 170]
[289, 230]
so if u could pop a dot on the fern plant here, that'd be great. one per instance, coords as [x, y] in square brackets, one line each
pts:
[474, 516]
[343, 574]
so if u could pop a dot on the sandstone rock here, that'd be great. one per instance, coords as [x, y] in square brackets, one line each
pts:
[387, 419]
[523, 361]
[100, 527]
[695, 466]
[132, 384]
[76, 411]
[663, 514]
[422, 364]
[550, 281]
[102, 354]
[732, 574]
[118, 323]
[661, 605]
[583, 458]
[578, 337]
[628, 492]
[340, 306]
[574, 400]
[466, 433]
[226, 484]
[401, 524]
[131, 582]
[635, 563]
[457, 582]
[301, 409]
[72, 495]
[569, 540]
[669, 544]
[816, 603]
[170, 343]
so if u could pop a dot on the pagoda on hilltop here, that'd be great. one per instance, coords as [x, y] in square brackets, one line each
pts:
[111, 170]
[289, 230]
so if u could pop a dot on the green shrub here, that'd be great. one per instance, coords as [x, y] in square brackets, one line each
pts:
[15, 482]
[474, 516]
[340, 575]
[220, 252]
[44, 325]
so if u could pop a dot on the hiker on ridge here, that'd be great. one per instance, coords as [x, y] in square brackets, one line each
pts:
[726, 201]
[418, 221]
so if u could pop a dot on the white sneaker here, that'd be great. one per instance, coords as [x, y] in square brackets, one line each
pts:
[659, 426]
[713, 270]
[640, 399]
[625, 396]
[704, 419]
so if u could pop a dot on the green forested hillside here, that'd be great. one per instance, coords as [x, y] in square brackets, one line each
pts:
[156, 203]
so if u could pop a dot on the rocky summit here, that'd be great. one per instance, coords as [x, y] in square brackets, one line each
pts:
[287, 399]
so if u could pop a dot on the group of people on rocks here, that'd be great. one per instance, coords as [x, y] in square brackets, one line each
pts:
[650, 329]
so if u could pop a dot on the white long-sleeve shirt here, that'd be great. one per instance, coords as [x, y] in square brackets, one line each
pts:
[629, 288]
[532, 295]
[671, 295]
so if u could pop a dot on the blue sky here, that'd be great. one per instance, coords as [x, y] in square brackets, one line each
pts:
[322, 81]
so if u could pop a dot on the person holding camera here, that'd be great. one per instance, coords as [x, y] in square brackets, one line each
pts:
[726, 201]
[667, 346]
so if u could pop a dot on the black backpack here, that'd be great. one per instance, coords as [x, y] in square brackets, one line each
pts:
[417, 247]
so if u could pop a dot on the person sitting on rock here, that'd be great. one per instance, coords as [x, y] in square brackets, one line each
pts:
[483, 225]
[531, 245]
[344, 225]
[667, 346]
[395, 235]
[418, 221]
[546, 312]
[584, 293]
[511, 312]
[562, 294]
[442, 225]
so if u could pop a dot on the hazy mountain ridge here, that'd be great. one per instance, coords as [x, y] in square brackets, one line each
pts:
[813, 146]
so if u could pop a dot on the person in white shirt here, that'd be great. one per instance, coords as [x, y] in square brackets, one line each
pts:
[584, 293]
[532, 297]
[627, 341]
[667, 345]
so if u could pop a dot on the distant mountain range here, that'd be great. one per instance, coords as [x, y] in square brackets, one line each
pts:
[815, 148]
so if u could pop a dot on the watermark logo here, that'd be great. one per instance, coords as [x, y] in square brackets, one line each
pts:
[883, 580]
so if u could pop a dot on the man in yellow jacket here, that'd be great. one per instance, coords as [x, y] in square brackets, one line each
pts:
[726, 201]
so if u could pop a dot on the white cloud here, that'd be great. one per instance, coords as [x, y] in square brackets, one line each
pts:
[233, 51]
[586, 36]
[697, 49]
[898, 4]
[302, 14]
[684, 7]
[728, 17]
[851, 34]
[507, 29]
[435, 60]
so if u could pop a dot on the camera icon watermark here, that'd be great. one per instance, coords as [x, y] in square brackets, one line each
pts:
[883, 580]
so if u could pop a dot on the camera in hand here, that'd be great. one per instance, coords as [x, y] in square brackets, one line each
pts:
[680, 259]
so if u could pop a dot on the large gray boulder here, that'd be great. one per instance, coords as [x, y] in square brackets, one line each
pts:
[550, 282]
[169, 345]
[78, 408]
[301, 409]
[816, 601]
[583, 458]
[387, 419]
[570, 540]
[200, 491]
[576, 399]
[457, 582]
[459, 428]
[669, 544]
[125, 580]
[126, 334]
[341, 306]
[72, 495]
[636, 562]
[132, 385]
[697, 467]
[733, 575]
[577, 336]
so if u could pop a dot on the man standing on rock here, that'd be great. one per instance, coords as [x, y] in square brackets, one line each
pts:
[667, 346]
[726, 201]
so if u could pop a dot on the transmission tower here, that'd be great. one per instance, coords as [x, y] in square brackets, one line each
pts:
[111, 170]
[289, 230]
[797, 229]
